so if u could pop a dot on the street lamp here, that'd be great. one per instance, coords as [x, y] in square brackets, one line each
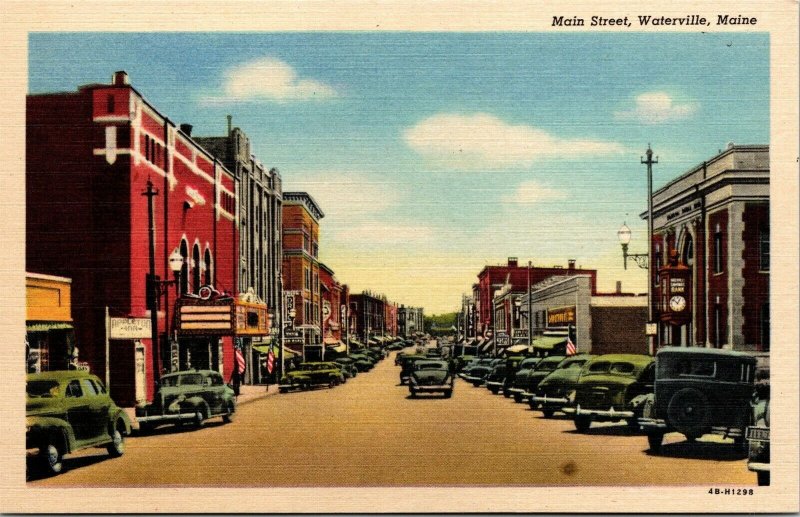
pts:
[344, 324]
[624, 235]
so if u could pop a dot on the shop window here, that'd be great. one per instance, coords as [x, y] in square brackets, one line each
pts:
[763, 247]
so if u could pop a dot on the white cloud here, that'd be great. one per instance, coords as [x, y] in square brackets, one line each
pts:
[530, 192]
[344, 196]
[657, 108]
[483, 141]
[379, 233]
[267, 79]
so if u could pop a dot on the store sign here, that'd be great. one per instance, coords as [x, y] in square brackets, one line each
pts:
[561, 316]
[226, 317]
[675, 301]
[502, 339]
[130, 328]
[519, 333]
[252, 319]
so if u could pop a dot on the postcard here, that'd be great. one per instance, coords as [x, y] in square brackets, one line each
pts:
[346, 257]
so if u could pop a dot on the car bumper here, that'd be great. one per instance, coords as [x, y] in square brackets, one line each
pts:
[757, 467]
[604, 413]
[549, 401]
[472, 379]
[495, 384]
[652, 423]
[172, 417]
[433, 387]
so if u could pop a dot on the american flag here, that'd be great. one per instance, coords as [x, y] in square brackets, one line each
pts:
[270, 361]
[571, 348]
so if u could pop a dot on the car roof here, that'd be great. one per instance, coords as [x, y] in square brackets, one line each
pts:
[59, 375]
[698, 350]
[637, 359]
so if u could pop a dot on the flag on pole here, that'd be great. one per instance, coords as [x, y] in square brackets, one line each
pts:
[571, 348]
[270, 362]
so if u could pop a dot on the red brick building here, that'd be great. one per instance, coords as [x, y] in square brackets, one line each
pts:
[331, 306]
[90, 155]
[492, 278]
[713, 221]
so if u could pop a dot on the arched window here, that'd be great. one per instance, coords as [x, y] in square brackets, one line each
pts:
[196, 268]
[209, 278]
[687, 255]
[185, 268]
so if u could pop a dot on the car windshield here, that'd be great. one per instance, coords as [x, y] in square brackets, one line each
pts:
[599, 367]
[170, 381]
[623, 368]
[42, 388]
[191, 378]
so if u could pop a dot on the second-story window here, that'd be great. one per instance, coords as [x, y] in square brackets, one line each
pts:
[718, 251]
[763, 248]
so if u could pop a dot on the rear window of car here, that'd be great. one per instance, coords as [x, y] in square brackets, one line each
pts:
[42, 388]
[622, 367]
[191, 379]
[687, 367]
[599, 367]
[169, 382]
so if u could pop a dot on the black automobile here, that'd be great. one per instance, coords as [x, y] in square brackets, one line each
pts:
[407, 366]
[496, 380]
[431, 376]
[540, 371]
[477, 373]
[519, 384]
[700, 391]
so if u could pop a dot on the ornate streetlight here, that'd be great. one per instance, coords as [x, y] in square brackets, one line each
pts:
[641, 259]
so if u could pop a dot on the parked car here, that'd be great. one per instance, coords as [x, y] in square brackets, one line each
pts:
[310, 375]
[542, 369]
[477, 373]
[513, 365]
[431, 376]
[397, 345]
[461, 361]
[348, 367]
[699, 391]
[66, 411]
[496, 379]
[407, 366]
[363, 362]
[758, 433]
[608, 388]
[188, 396]
[520, 382]
[552, 391]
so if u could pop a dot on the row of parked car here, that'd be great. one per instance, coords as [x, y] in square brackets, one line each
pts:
[690, 390]
[338, 369]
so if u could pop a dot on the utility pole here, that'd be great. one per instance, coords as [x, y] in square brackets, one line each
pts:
[651, 268]
[150, 284]
[530, 308]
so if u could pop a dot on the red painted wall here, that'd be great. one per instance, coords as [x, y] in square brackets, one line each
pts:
[756, 280]
[718, 282]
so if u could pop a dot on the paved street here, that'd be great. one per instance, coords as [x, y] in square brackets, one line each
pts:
[369, 433]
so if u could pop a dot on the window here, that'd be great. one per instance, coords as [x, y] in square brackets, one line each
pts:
[88, 388]
[196, 268]
[110, 103]
[208, 277]
[74, 389]
[688, 251]
[306, 278]
[184, 287]
[763, 248]
[718, 251]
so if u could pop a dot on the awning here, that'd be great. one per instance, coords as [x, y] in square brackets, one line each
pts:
[547, 343]
[264, 349]
[45, 326]
[487, 346]
[339, 347]
[515, 349]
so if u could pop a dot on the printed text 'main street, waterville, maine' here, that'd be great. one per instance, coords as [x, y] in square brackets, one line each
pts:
[653, 21]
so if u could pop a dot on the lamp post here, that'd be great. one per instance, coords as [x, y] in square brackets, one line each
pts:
[643, 260]
[344, 324]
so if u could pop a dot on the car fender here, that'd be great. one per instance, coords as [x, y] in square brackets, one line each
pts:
[115, 415]
[197, 402]
[41, 427]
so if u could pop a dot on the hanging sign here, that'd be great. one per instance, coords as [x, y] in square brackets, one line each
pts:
[130, 328]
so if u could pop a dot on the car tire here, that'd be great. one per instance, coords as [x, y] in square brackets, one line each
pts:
[448, 394]
[413, 393]
[688, 411]
[117, 446]
[332, 383]
[494, 391]
[518, 398]
[228, 416]
[532, 404]
[548, 413]
[51, 458]
[763, 478]
[506, 393]
[476, 383]
[654, 441]
[583, 423]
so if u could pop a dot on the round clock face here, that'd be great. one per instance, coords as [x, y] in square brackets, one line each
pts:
[677, 303]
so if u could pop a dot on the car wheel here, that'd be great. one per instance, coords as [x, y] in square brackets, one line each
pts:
[506, 393]
[688, 411]
[763, 478]
[654, 440]
[532, 404]
[633, 424]
[583, 423]
[332, 383]
[199, 418]
[476, 383]
[448, 394]
[282, 390]
[51, 458]
[117, 446]
[518, 397]
[494, 391]
[548, 413]
[413, 393]
[228, 416]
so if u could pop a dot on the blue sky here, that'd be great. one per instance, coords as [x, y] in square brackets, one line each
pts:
[433, 154]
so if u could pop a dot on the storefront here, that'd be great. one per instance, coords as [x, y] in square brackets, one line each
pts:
[211, 333]
[49, 337]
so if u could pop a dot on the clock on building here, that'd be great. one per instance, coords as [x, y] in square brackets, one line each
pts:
[677, 303]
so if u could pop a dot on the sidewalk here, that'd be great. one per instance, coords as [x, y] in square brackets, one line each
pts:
[247, 393]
